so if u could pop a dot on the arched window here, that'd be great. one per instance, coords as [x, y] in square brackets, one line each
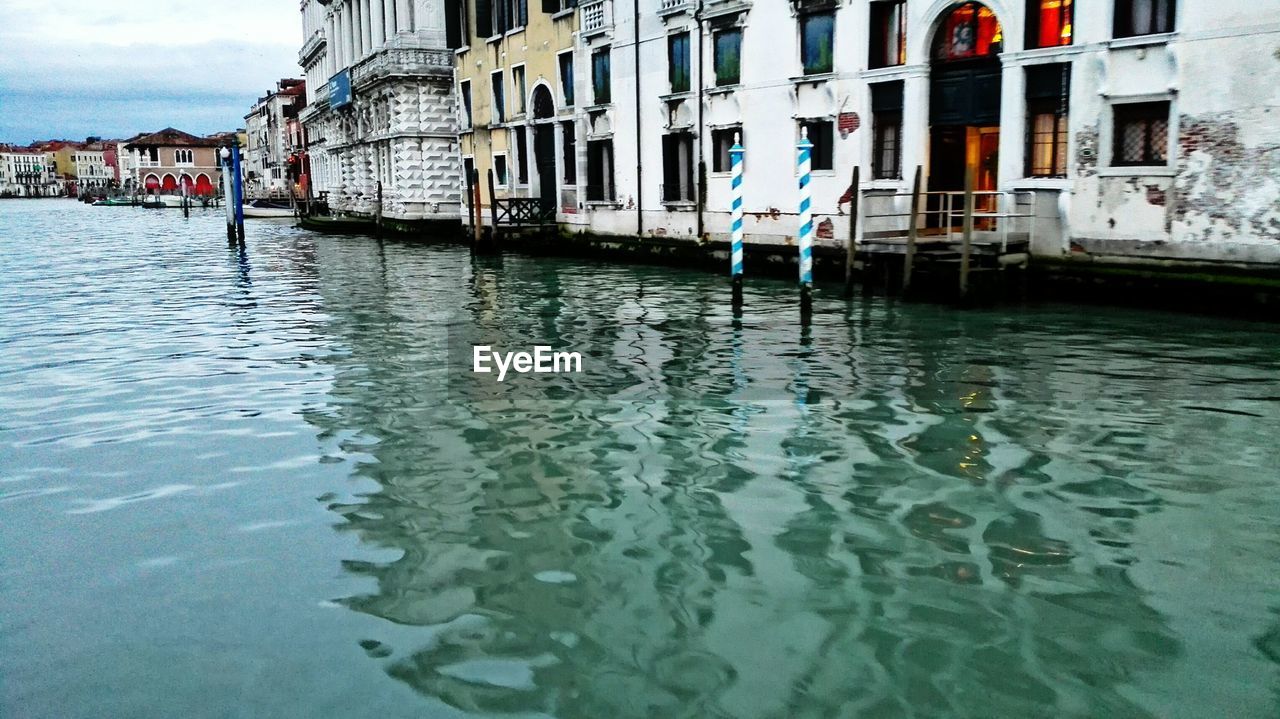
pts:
[971, 30]
[543, 106]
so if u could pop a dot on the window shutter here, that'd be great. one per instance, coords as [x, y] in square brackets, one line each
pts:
[522, 9]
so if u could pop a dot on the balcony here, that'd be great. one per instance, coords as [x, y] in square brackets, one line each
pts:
[597, 17]
[673, 7]
[402, 62]
[311, 48]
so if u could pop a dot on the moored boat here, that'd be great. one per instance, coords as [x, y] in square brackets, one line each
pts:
[268, 208]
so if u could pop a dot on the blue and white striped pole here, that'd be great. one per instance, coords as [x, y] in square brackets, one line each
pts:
[735, 251]
[805, 162]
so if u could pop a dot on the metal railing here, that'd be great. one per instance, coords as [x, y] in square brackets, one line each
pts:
[595, 16]
[996, 215]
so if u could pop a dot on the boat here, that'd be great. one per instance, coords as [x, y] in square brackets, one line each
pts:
[268, 208]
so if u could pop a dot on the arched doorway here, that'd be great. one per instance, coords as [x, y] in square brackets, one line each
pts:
[204, 187]
[544, 147]
[152, 183]
[964, 100]
[169, 183]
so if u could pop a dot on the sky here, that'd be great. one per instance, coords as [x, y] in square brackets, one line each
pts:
[113, 68]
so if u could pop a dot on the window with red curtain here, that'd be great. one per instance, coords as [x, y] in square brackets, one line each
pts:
[971, 30]
[1049, 23]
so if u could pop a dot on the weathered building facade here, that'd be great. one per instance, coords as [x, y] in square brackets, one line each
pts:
[26, 172]
[519, 99]
[1139, 127]
[381, 122]
[271, 141]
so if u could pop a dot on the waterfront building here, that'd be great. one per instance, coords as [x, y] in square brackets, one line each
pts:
[25, 172]
[163, 162]
[521, 98]
[380, 122]
[270, 128]
[91, 166]
[1106, 123]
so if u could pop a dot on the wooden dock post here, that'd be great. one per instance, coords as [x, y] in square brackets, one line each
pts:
[477, 225]
[967, 243]
[853, 234]
[908, 259]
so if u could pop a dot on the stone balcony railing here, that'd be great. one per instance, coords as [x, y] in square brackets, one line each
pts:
[312, 46]
[596, 17]
[402, 62]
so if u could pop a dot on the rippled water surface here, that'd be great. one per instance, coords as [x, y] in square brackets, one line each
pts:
[259, 484]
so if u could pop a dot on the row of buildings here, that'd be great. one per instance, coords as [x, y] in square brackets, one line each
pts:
[1133, 127]
[57, 168]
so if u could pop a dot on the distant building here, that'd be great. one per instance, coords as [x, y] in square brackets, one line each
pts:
[91, 168]
[381, 107]
[25, 172]
[163, 162]
[271, 128]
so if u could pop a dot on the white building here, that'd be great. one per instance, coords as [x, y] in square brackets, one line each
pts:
[1141, 128]
[380, 107]
[26, 173]
[270, 142]
[92, 171]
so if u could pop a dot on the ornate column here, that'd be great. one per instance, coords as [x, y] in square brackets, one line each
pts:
[378, 23]
[348, 35]
[404, 20]
[389, 7]
[366, 31]
[331, 45]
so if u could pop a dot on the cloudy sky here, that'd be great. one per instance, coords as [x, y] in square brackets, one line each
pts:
[74, 68]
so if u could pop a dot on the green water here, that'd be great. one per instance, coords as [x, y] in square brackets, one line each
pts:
[261, 484]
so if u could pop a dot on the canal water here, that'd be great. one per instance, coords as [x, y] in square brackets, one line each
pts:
[259, 483]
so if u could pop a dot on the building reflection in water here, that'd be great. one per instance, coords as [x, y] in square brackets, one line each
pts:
[904, 510]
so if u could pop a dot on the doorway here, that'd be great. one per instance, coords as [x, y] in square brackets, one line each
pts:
[964, 110]
[544, 153]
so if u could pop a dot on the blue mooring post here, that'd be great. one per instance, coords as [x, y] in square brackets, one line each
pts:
[238, 184]
[228, 193]
[805, 163]
[735, 249]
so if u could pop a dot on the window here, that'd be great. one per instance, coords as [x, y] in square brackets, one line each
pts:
[677, 167]
[517, 85]
[500, 170]
[180, 157]
[817, 38]
[1048, 23]
[552, 7]
[1143, 17]
[600, 170]
[570, 158]
[678, 61]
[970, 30]
[1048, 91]
[465, 91]
[821, 134]
[888, 33]
[1140, 134]
[499, 102]
[728, 56]
[566, 78]
[522, 156]
[886, 129]
[722, 141]
[600, 76]
[495, 17]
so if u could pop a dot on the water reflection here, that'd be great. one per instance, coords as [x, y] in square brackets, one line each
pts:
[916, 510]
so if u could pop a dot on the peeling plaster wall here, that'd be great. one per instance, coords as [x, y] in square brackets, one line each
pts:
[1218, 199]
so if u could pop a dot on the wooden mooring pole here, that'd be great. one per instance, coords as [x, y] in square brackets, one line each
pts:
[853, 234]
[476, 222]
[908, 260]
[967, 243]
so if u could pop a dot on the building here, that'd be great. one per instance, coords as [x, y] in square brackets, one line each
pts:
[26, 172]
[521, 99]
[165, 161]
[92, 166]
[381, 110]
[1111, 124]
[272, 131]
